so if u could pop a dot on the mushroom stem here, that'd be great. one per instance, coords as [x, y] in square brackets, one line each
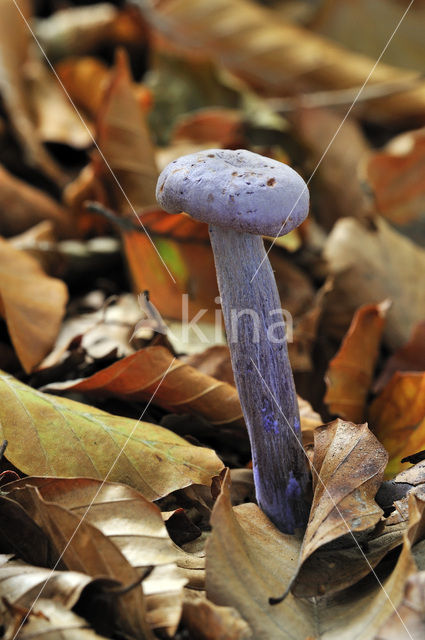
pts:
[257, 341]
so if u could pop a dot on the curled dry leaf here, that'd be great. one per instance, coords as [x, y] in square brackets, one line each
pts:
[22, 206]
[15, 38]
[86, 80]
[348, 467]
[249, 560]
[207, 621]
[370, 265]
[183, 390]
[21, 583]
[47, 619]
[21, 535]
[134, 525]
[56, 436]
[409, 357]
[32, 303]
[350, 372]
[339, 192]
[276, 56]
[397, 417]
[395, 175]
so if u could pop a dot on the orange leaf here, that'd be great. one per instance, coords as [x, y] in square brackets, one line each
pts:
[32, 304]
[397, 416]
[396, 177]
[184, 245]
[350, 372]
[183, 390]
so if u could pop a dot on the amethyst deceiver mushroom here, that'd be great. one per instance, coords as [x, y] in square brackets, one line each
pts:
[242, 196]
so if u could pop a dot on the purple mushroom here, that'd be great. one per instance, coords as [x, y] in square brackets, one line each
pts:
[242, 196]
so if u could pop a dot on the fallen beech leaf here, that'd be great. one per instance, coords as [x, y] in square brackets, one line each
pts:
[184, 246]
[15, 38]
[337, 187]
[395, 175]
[55, 436]
[123, 136]
[48, 619]
[214, 361]
[134, 525]
[87, 550]
[397, 417]
[348, 468]
[409, 357]
[375, 20]
[276, 56]
[370, 265]
[22, 206]
[32, 303]
[249, 560]
[184, 389]
[222, 126]
[21, 536]
[207, 621]
[350, 372]
[408, 621]
[55, 116]
[21, 583]
[86, 80]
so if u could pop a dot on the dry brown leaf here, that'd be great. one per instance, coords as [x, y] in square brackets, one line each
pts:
[375, 20]
[134, 525]
[56, 436]
[410, 357]
[369, 265]
[350, 372]
[88, 550]
[337, 187]
[207, 621]
[397, 417]
[123, 137]
[47, 619]
[395, 176]
[276, 56]
[214, 361]
[348, 468]
[22, 206]
[249, 560]
[21, 536]
[32, 303]
[86, 80]
[184, 389]
[55, 117]
[15, 38]
[21, 583]
[223, 127]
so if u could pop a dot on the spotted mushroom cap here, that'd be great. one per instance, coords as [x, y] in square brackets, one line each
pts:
[237, 189]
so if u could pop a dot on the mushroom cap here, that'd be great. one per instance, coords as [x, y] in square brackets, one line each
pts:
[237, 189]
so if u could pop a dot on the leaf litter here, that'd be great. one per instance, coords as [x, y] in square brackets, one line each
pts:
[123, 523]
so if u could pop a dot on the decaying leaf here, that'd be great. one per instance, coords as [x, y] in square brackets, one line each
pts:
[395, 175]
[22, 206]
[397, 417]
[32, 303]
[348, 467]
[47, 619]
[207, 621]
[349, 376]
[409, 357]
[134, 526]
[276, 56]
[249, 560]
[15, 39]
[56, 436]
[184, 389]
[370, 265]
